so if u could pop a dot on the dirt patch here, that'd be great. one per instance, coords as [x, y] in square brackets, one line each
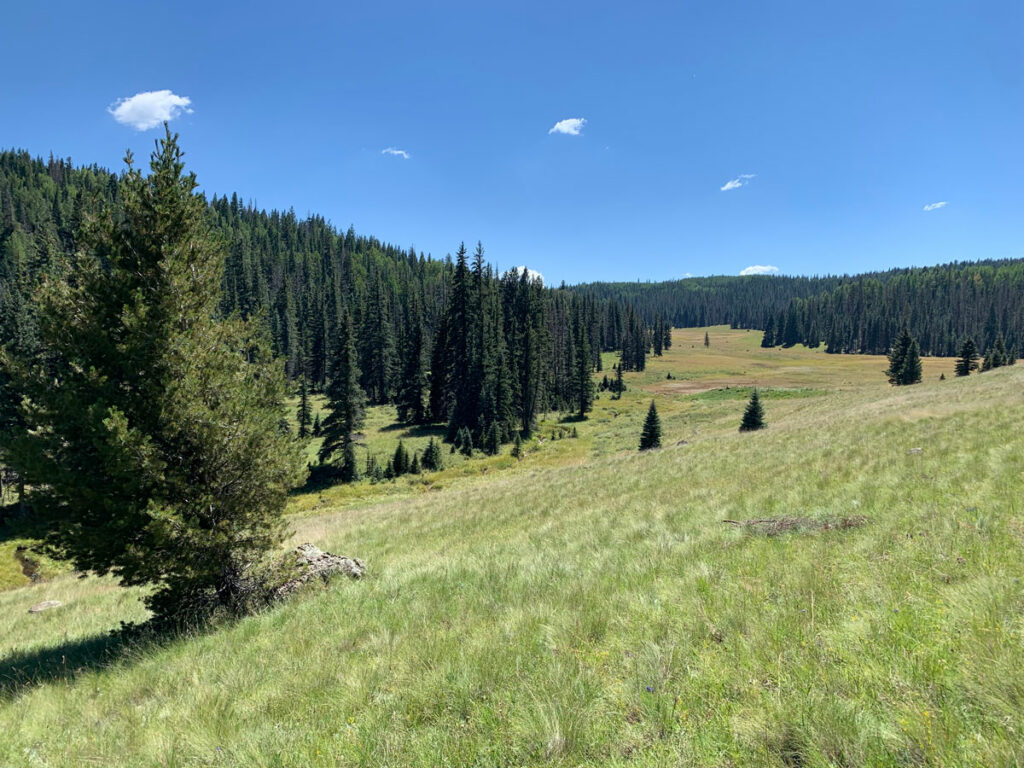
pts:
[773, 526]
[693, 387]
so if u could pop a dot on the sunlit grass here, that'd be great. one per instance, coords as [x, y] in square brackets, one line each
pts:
[587, 606]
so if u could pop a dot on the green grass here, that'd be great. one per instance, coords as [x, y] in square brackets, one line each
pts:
[587, 606]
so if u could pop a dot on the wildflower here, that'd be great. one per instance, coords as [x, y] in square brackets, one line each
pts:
[650, 689]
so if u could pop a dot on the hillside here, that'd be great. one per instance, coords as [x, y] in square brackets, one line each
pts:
[632, 625]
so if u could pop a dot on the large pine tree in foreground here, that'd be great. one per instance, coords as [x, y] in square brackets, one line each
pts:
[151, 445]
[650, 437]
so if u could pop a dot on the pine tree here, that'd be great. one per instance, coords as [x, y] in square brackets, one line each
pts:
[464, 441]
[650, 437]
[432, 457]
[620, 385]
[303, 413]
[517, 447]
[412, 389]
[753, 416]
[996, 355]
[768, 340]
[968, 360]
[492, 444]
[152, 446]
[414, 467]
[904, 361]
[317, 428]
[346, 401]
[400, 460]
[584, 384]
[707, 341]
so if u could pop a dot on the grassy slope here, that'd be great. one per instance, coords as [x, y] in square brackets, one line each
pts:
[587, 606]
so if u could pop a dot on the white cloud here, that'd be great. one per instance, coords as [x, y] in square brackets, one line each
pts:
[936, 206]
[759, 269]
[570, 126]
[533, 275]
[740, 181]
[396, 153]
[149, 109]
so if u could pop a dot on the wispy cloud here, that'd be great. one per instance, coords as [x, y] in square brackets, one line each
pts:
[571, 126]
[936, 206]
[740, 181]
[149, 109]
[394, 152]
[759, 269]
[531, 274]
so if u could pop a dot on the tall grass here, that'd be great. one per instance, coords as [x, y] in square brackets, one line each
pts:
[587, 606]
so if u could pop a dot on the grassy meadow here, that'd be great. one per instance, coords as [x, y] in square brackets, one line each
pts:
[588, 606]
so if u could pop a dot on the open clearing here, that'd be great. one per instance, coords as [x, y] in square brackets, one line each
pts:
[588, 605]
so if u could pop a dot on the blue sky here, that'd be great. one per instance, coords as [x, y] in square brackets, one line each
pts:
[836, 122]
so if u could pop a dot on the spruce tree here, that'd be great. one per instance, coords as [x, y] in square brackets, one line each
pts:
[904, 361]
[968, 360]
[317, 428]
[768, 340]
[346, 402]
[753, 416]
[996, 355]
[303, 414]
[620, 385]
[707, 340]
[432, 456]
[412, 388]
[400, 460]
[517, 447]
[152, 446]
[650, 437]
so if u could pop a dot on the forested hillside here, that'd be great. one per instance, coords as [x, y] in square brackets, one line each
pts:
[445, 339]
[940, 305]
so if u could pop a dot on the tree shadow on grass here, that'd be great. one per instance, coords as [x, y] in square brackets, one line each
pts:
[416, 430]
[21, 671]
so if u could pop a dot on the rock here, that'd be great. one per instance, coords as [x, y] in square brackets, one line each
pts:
[916, 450]
[39, 607]
[310, 563]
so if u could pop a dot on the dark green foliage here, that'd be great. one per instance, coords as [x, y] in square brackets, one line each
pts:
[412, 386]
[414, 466]
[996, 356]
[583, 383]
[707, 340]
[432, 457]
[768, 340]
[374, 471]
[619, 386]
[753, 416]
[904, 361]
[968, 359]
[346, 402]
[650, 437]
[492, 445]
[317, 427]
[303, 414]
[150, 439]
[464, 441]
[400, 462]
